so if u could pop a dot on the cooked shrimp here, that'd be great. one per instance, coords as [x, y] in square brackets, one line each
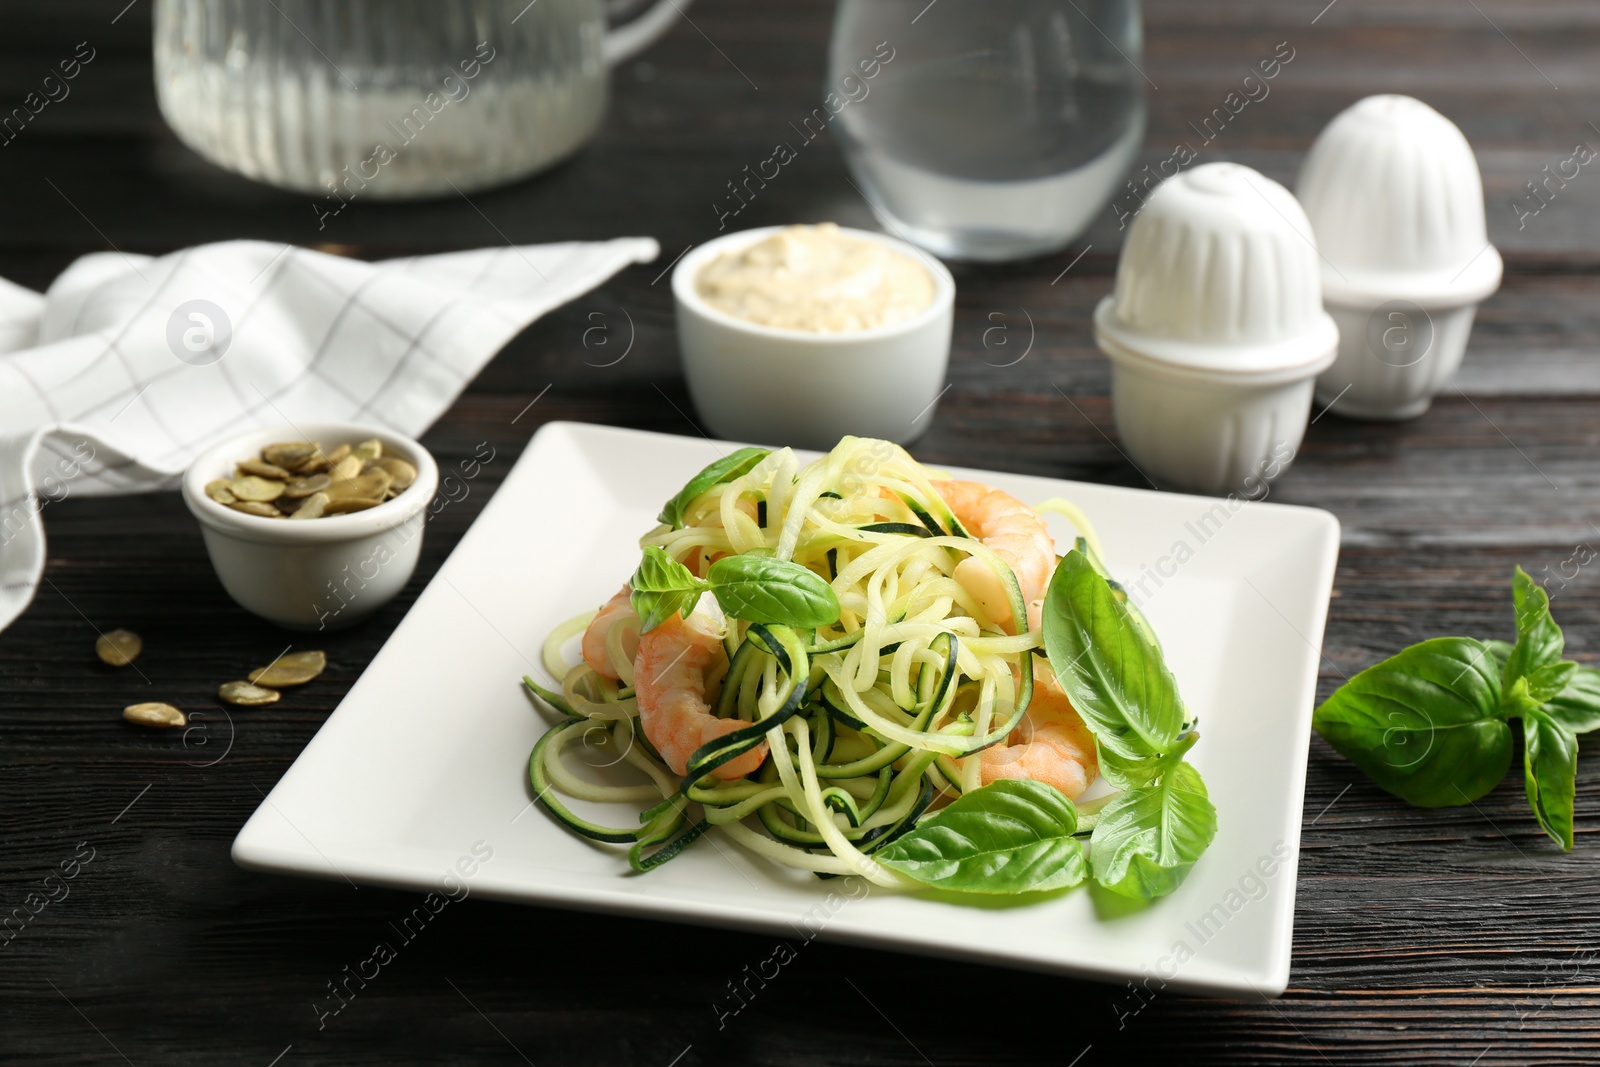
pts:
[669, 678]
[1050, 745]
[1015, 532]
[595, 653]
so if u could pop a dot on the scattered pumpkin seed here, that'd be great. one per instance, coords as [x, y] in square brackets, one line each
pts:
[347, 468]
[346, 506]
[263, 469]
[221, 490]
[247, 695]
[369, 449]
[290, 454]
[292, 668]
[157, 715]
[401, 473]
[119, 647]
[299, 487]
[256, 507]
[312, 507]
[252, 487]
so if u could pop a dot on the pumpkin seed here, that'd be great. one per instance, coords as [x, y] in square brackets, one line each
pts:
[401, 473]
[312, 507]
[221, 490]
[119, 647]
[347, 468]
[369, 486]
[292, 668]
[251, 487]
[345, 506]
[299, 487]
[320, 461]
[263, 469]
[160, 716]
[246, 695]
[289, 454]
[369, 449]
[256, 507]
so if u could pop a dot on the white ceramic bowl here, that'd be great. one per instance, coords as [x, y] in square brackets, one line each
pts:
[1215, 331]
[794, 387]
[318, 573]
[1393, 190]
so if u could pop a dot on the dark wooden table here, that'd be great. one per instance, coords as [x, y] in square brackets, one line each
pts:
[1455, 936]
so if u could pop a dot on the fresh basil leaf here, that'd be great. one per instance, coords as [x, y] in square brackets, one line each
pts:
[1424, 724]
[733, 465]
[1546, 683]
[1149, 838]
[773, 591]
[1014, 836]
[1577, 707]
[1531, 692]
[1110, 669]
[1125, 773]
[1550, 768]
[662, 588]
[1539, 640]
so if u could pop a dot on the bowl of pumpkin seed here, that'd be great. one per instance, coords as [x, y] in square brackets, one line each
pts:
[313, 527]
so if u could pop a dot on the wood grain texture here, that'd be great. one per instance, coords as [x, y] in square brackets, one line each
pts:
[1422, 937]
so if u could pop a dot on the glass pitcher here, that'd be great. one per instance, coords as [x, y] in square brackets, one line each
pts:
[390, 98]
[987, 129]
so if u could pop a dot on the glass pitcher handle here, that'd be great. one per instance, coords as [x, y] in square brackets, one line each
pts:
[629, 40]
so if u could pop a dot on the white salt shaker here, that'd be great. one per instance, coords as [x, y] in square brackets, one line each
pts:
[1216, 331]
[1393, 191]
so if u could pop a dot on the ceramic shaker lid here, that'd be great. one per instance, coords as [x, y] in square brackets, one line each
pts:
[1393, 191]
[1219, 274]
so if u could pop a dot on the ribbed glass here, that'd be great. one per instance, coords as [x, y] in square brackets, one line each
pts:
[381, 98]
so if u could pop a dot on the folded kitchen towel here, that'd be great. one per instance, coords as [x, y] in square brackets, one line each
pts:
[129, 366]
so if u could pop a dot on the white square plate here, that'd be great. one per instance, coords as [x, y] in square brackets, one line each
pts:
[427, 755]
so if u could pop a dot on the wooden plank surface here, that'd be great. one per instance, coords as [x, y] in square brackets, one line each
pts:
[1440, 937]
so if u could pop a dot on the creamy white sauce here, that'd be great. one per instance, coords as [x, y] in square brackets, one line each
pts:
[817, 279]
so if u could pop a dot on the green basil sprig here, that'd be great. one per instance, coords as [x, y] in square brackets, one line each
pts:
[734, 465]
[1014, 836]
[1432, 724]
[754, 588]
[1147, 838]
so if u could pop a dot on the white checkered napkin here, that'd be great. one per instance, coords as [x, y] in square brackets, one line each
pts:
[130, 366]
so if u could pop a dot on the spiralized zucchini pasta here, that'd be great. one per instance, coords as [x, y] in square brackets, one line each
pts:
[809, 659]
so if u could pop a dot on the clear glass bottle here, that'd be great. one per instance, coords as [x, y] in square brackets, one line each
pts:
[994, 129]
[388, 98]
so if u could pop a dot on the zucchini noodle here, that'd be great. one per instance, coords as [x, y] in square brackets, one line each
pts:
[869, 722]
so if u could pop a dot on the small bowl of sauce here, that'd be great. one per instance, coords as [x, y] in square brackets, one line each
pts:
[798, 335]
